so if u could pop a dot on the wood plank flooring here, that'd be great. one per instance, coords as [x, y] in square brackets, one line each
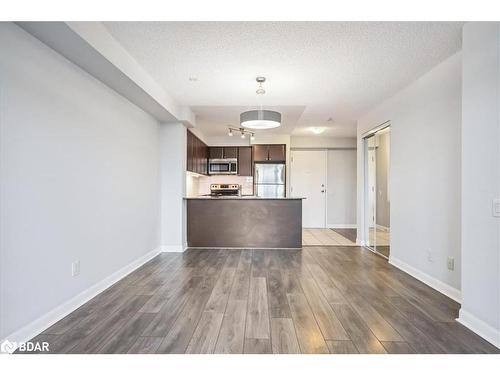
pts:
[318, 300]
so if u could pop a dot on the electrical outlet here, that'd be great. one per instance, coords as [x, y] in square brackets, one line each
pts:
[75, 268]
[430, 256]
[451, 263]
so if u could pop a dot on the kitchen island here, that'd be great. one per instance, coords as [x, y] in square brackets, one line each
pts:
[244, 222]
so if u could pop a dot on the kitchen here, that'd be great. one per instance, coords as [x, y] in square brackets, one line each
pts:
[244, 188]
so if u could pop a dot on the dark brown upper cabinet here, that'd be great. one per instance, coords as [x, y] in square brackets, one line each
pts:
[215, 152]
[197, 154]
[190, 151]
[223, 152]
[260, 152]
[275, 153]
[230, 152]
[245, 163]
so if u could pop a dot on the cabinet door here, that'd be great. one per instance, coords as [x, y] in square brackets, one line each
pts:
[245, 161]
[230, 152]
[205, 159]
[260, 152]
[197, 153]
[189, 149]
[277, 153]
[200, 157]
[215, 152]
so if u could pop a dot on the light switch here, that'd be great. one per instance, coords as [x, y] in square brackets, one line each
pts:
[75, 268]
[496, 207]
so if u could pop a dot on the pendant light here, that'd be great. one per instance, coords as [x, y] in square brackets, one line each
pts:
[260, 118]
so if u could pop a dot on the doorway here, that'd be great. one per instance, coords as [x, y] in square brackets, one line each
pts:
[327, 179]
[377, 190]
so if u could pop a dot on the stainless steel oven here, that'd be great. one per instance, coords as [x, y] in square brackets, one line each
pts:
[223, 166]
[220, 190]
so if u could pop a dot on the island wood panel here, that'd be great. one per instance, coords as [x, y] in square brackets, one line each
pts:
[244, 223]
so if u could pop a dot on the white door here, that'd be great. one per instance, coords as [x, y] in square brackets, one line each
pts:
[308, 180]
[342, 185]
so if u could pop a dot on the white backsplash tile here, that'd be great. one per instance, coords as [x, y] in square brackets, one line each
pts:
[204, 183]
[192, 184]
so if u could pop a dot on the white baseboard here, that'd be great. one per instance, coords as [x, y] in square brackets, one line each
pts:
[246, 248]
[478, 326]
[341, 226]
[434, 283]
[172, 248]
[41, 324]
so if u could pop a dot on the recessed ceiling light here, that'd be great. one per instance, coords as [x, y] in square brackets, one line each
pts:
[316, 130]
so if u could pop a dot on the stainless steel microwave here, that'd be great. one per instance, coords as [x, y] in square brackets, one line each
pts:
[223, 166]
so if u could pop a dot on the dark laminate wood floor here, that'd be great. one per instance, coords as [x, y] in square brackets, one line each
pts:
[319, 300]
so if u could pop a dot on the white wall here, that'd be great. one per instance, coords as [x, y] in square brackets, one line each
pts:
[322, 142]
[226, 140]
[481, 179]
[425, 146]
[197, 132]
[80, 180]
[173, 186]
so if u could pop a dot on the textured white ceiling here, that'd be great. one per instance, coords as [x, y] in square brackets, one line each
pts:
[315, 70]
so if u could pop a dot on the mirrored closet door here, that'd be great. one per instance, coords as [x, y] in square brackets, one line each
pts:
[377, 191]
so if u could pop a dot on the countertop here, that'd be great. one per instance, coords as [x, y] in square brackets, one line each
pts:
[244, 197]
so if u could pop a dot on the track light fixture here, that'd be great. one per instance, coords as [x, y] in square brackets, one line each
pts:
[243, 133]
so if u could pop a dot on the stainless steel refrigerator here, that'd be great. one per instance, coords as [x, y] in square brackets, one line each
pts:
[269, 180]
